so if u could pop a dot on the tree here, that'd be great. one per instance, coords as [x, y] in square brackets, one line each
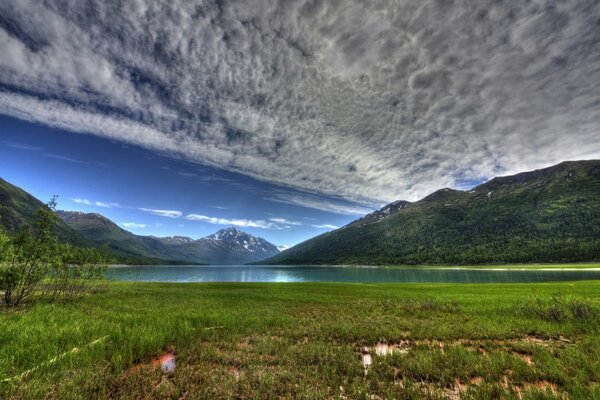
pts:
[36, 263]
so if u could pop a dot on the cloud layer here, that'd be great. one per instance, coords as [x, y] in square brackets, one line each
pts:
[133, 225]
[95, 203]
[163, 213]
[370, 101]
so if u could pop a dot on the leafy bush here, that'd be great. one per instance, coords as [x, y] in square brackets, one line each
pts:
[36, 264]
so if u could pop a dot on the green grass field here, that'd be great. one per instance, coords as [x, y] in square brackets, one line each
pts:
[309, 341]
[569, 266]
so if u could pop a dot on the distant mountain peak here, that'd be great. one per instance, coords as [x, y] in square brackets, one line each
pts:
[235, 238]
[227, 233]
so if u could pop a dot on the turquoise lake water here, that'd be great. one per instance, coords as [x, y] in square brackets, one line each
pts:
[303, 273]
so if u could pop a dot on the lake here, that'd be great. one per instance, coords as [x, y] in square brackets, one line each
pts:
[304, 273]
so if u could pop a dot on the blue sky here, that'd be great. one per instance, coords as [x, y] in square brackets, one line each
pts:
[293, 105]
[150, 193]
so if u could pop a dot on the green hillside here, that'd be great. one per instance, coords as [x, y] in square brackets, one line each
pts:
[102, 231]
[548, 215]
[18, 208]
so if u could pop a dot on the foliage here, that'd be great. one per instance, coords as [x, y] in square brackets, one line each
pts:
[37, 264]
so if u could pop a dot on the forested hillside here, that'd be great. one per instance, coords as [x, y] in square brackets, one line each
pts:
[548, 215]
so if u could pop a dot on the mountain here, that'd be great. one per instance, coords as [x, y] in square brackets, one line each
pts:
[243, 243]
[227, 246]
[547, 215]
[18, 208]
[99, 231]
[383, 213]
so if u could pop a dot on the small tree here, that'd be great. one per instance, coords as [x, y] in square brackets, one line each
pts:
[27, 260]
[75, 273]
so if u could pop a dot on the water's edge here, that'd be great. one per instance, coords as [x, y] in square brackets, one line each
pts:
[349, 274]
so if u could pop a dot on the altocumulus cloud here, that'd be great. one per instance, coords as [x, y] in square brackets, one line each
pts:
[245, 223]
[163, 213]
[133, 225]
[370, 101]
[95, 203]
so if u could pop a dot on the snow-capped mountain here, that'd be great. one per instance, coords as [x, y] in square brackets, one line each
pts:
[238, 240]
[227, 246]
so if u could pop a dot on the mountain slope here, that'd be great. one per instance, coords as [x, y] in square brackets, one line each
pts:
[18, 208]
[100, 231]
[237, 247]
[227, 246]
[548, 215]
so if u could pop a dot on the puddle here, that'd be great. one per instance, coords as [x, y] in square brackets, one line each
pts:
[382, 349]
[166, 362]
[385, 349]
[366, 358]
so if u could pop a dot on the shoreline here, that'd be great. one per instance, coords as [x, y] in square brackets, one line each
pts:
[516, 267]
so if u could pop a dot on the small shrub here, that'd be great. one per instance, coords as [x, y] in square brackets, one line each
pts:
[36, 265]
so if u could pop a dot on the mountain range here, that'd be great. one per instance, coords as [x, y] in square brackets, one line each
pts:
[547, 215]
[227, 246]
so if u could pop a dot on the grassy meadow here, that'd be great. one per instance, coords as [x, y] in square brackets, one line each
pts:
[308, 341]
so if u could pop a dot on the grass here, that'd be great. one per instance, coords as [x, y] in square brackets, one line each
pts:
[306, 340]
[504, 266]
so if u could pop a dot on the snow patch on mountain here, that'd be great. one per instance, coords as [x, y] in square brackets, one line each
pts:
[235, 238]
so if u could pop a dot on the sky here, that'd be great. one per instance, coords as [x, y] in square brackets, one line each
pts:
[150, 193]
[333, 106]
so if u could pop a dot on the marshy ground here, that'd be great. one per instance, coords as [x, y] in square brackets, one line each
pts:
[308, 341]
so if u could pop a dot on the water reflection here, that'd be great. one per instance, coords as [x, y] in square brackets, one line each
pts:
[303, 273]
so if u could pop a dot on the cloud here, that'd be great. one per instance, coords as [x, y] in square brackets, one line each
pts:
[284, 221]
[319, 203]
[366, 101]
[107, 205]
[244, 223]
[95, 203]
[325, 226]
[23, 146]
[163, 213]
[64, 158]
[82, 201]
[133, 225]
[271, 223]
